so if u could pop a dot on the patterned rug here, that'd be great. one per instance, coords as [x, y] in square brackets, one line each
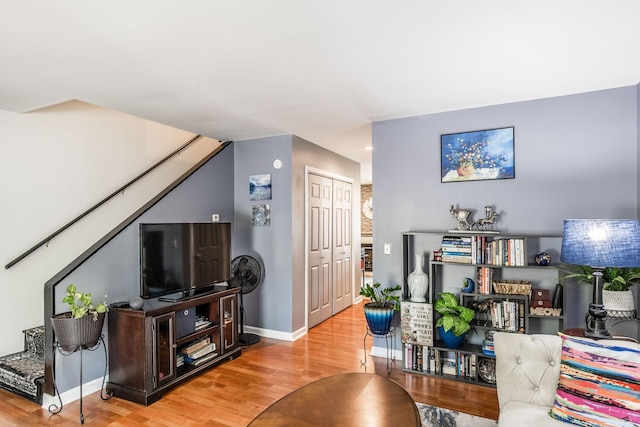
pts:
[433, 416]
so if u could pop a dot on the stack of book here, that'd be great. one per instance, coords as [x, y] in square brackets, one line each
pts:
[480, 250]
[487, 345]
[484, 280]
[457, 249]
[199, 351]
[202, 322]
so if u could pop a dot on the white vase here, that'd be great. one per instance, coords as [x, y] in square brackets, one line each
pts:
[418, 282]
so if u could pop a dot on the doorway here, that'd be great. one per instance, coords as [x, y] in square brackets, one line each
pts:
[330, 272]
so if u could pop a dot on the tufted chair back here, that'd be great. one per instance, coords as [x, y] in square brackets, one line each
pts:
[527, 367]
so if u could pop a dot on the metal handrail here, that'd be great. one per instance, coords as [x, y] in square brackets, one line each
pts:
[47, 239]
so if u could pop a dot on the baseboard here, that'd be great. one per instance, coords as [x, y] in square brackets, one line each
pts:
[382, 352]
[279, 335]
[73, 394]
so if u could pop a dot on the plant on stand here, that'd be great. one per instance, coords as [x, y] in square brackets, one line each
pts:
[380, 310]
[617, 296]
[82, 325]
[453, 324]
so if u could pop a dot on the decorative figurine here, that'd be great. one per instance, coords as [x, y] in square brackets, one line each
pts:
[486, 223]
[543, 258]
[468, 285]
[462, 216]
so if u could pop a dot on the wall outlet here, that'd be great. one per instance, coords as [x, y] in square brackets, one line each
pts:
[215, 218]
[387, 249]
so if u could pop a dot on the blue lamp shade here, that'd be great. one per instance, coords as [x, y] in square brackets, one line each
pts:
[601, 242]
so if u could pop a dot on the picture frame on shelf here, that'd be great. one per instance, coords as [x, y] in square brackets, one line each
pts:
[478, 155]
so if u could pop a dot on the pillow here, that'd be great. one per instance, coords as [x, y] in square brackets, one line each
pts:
[599, 383]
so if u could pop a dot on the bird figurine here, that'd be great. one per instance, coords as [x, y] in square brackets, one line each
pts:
[468, 285]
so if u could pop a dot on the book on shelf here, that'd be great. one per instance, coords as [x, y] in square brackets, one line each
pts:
[463, 259]
[432, 361]
[417, 364]
[484, 280]
[203, 351]
[200, 360]
[202, 324]
[196, 345]
[449, 367]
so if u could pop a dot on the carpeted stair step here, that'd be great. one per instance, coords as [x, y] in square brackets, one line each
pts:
[23, 372]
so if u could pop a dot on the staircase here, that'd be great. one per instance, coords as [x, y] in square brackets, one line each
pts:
[23, 372]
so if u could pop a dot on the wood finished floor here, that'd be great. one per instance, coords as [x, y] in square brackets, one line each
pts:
[237, 391]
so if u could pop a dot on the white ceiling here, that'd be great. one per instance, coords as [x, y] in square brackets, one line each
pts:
[322, 70]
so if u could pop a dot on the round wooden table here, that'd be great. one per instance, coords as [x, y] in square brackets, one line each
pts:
[353, 399]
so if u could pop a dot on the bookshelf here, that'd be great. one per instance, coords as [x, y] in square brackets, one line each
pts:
[153, 349]
[485, 258]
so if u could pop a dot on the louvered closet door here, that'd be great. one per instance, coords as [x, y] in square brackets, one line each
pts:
[319, 275]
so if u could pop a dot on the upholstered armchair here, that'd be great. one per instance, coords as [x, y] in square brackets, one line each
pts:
[527, 373]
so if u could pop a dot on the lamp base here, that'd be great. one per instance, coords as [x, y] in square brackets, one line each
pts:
[596, 327]
[597, 335]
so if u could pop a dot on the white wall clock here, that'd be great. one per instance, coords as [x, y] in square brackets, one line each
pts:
[367, 208]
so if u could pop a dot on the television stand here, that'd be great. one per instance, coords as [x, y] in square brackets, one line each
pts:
[148, 355]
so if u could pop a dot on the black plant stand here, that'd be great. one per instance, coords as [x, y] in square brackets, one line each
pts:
[390, 349]
[55, 409]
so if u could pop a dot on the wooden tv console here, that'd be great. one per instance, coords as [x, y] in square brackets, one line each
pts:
[145, 346]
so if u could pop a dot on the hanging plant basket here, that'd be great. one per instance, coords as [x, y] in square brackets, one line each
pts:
[72, 333]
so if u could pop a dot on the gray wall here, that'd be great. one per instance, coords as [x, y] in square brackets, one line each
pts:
[575, 157]
[114, 270]
[278, 305]
[268, 306]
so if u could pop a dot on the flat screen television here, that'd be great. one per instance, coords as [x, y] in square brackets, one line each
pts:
[185, 258]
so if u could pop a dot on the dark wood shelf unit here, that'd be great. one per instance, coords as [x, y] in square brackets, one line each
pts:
[144, 344]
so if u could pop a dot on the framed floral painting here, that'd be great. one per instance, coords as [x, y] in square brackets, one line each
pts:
[477, 155]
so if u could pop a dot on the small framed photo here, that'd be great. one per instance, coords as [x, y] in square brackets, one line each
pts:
[478, 155]
[261, 215]
[260, 187]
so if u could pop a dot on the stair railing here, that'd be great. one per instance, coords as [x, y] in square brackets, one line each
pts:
[122, 189]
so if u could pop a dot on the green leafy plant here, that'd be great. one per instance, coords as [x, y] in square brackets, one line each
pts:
[81, 305]
[381, 298]
[454, 316]
[614, 279]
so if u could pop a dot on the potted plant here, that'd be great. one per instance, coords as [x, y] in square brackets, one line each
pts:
[380, 310]
[617, 297]
[453, 324]
[82, 325]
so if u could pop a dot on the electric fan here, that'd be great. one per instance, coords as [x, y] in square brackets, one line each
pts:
[246, 274]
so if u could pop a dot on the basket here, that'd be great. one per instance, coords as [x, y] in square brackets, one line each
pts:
[72, 334]
[512, 287]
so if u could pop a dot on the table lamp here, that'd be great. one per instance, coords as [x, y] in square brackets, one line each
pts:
[600, 243]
